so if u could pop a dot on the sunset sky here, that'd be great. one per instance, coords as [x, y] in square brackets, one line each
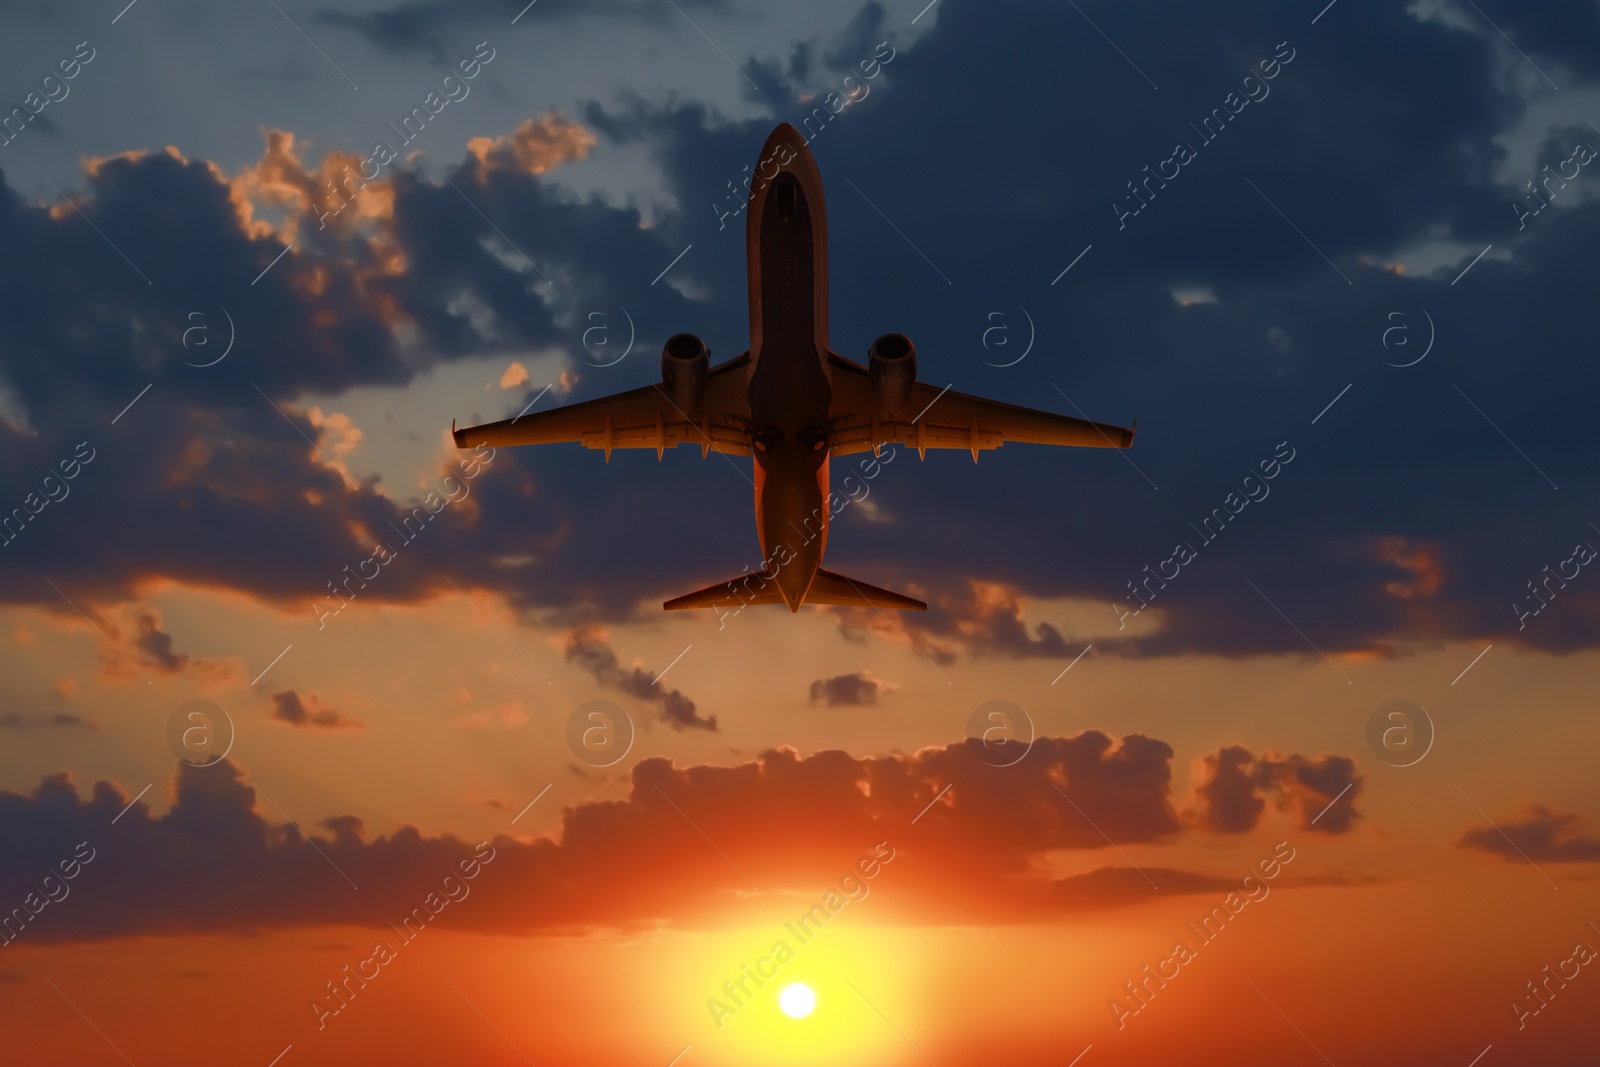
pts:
[1272, 739]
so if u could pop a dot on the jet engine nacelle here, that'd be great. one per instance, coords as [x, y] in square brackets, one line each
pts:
[685, 362]
[892, 365]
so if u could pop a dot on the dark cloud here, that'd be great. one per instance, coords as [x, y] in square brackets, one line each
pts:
[1566, 30]
[432, 27]
[214, 861]
[153, 650]
[1319, 794]
[1274, 309]
[777, 82]
[224, 449]
[155, 645]
[588, 647]
[288, 707]
[1229, 799]
[986, 619]
[1541, 835]
[12, 720]
[1117, 887]
[857, 41]
[858, 689]
[856, 625]
[1423, 532]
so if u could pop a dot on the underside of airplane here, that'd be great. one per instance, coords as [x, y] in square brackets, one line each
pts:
[792, 403]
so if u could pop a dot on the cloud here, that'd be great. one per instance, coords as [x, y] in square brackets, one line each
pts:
[984, 618]
[514, 375]
[535, 146]
[215, 862]
[226, 447]
[288, 707]
[12, 720]
[154, 651]
[988, 618]
[851, 690]
[155, 645]
[1118, 887]
[1541, 835]
[588, 647]
[1319, 794]
[1229, 800]
[430, 26]
[302, 193]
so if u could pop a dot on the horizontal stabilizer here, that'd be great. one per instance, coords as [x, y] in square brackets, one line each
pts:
[832, 588]
[762, 588]
[736, 592]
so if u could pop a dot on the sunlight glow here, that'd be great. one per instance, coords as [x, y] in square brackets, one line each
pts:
[797, 1001]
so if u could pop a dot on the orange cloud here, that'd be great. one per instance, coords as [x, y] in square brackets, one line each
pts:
[1420, 562]
[535, 146]
[514, 376]
[974, 843]
[332, 193]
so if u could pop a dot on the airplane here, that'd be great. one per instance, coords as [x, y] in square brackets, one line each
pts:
[792, 402]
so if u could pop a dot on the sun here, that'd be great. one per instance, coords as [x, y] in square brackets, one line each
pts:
[797, 1001]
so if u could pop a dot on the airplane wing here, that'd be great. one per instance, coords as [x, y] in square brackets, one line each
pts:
[936, 418]
[639, 418]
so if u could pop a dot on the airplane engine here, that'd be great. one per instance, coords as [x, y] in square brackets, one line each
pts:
[892, 364]
[685, 361]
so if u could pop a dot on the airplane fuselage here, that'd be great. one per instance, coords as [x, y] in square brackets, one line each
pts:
[790, 391]
[790, 401]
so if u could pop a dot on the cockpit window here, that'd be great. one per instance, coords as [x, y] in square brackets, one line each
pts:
[786, 199]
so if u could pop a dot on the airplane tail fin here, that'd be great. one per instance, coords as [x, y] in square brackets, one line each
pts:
[833, 588]
[736, 592]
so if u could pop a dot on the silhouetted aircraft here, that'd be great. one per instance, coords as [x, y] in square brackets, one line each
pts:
[792, 401]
